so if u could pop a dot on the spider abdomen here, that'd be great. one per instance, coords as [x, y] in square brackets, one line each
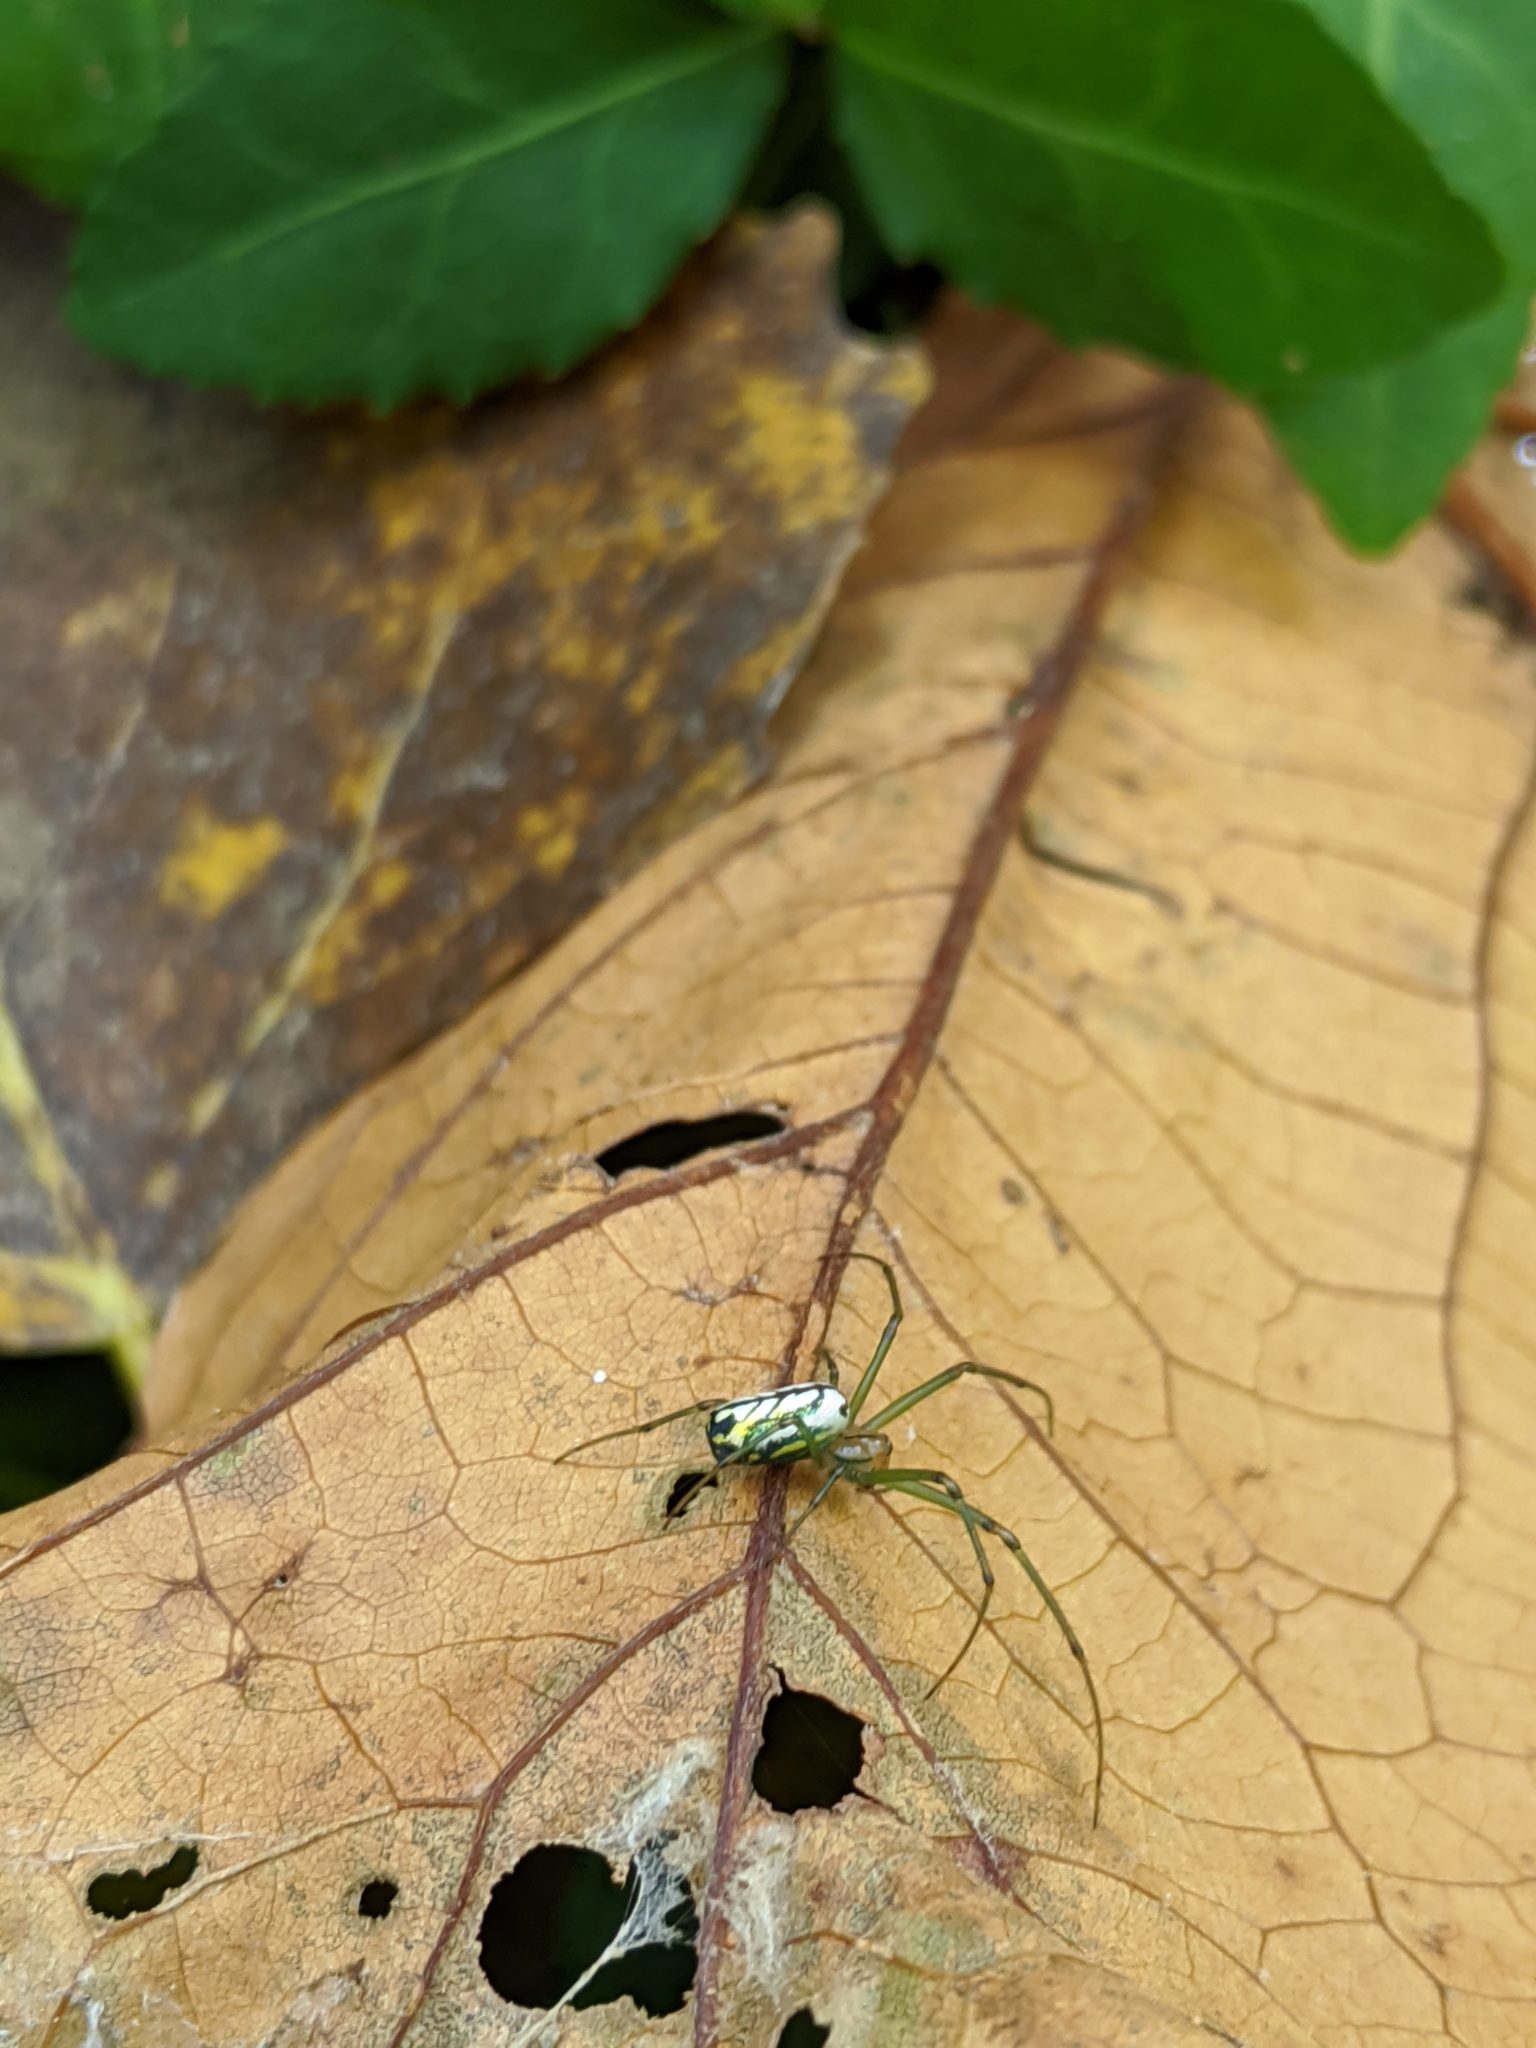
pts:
[778, 1427]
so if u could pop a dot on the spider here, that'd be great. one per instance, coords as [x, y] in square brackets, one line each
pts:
[812, 1420]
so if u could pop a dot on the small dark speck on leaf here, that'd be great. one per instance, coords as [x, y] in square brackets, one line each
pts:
[376, 1898]
[1010, 1190]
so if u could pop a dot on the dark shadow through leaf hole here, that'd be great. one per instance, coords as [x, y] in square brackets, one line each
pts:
[684, 1483]
[811, 1752]
[62, 1414]
[553, 1914]
[119, 1894]
[684, 1138]
[803, 2030]
[376, 1898]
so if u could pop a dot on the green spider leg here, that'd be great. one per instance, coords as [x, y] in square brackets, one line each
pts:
[641, 1428]
[947, 1378]
[948, 1486]
[837, 1472]
[687, 1498]
[656, 1422]
[893, 1322]
[939, 1381]
[934, 1478]
[950, 1498]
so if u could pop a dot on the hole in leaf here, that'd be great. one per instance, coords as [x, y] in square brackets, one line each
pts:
[560, 1908]
[887, 297]
[119, 1894]
[376, 1898]
[803, 2030]
[683, 1138]
[811, 1752]
[684, 1483]
[801, 156]
[62, 1414]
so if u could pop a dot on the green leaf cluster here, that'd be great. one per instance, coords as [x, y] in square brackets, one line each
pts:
[1328, 205]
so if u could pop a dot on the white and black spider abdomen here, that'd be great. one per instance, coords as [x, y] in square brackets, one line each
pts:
[779, 1427]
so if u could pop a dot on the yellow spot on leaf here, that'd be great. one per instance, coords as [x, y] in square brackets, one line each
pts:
[354, 789]
[217, 861]
[347, 936]
[906, 377]
[132, 618]
[159, 1187]
[803, 455]
[576, 652]
[679, 515]
[77, 1301]
[771, 662]
[207, 1103]
[552, 832]
[642, 693]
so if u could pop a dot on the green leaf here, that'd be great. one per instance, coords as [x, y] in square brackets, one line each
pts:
[1214, 182]
[1378, 448]
[383, 197]
[785, 13]
[83, 81]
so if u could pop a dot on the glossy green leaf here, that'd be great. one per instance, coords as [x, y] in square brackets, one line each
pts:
[1378, 448]
[82, 81]
[786, 13]
[1214, 182]
[383, 197]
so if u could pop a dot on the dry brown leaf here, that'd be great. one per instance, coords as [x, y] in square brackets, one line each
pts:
[360, 714]
[1224, 1136]
[1493, 502]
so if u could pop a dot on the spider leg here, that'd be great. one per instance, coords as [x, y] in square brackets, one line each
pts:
[837, 1472]
[947, 1378]
[976, 1518]
[887, 1335]
[704, 1479]
[641, 1428]
[947, 1485]
[829, 1364]
[743, 1455]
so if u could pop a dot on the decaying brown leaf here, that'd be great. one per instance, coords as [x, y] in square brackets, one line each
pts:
[1213, 1114]
[312, 729]
[1493, 502]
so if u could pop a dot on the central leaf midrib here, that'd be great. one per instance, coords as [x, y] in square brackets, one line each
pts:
[523, 131]
[1049, 126]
